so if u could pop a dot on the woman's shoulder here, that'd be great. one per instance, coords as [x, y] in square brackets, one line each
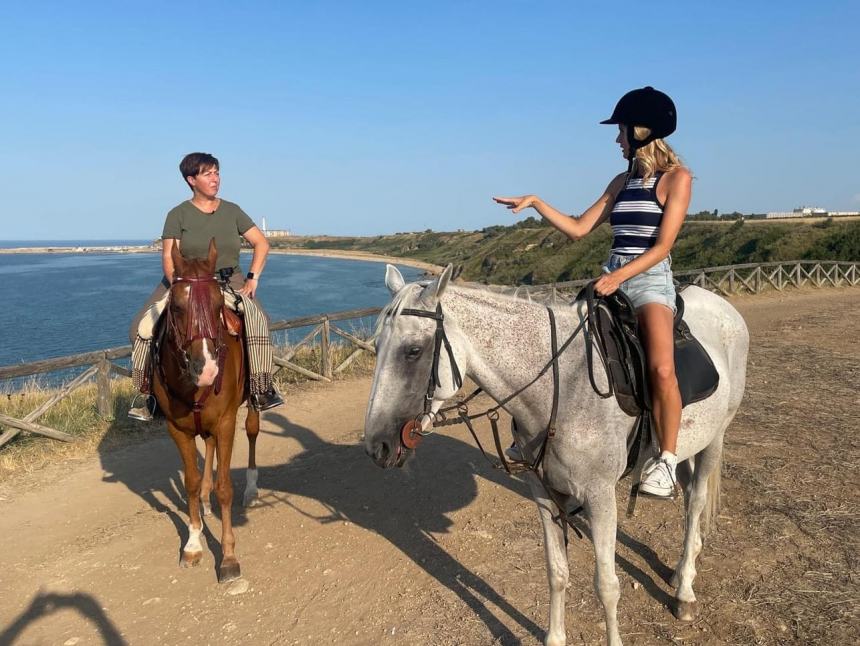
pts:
[678, 176]
[179, 209]
[229, 206]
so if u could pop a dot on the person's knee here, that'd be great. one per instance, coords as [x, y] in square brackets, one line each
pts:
[663, 376]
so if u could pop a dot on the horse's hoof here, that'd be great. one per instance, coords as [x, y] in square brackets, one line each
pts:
[251, 498]
[555, 640]
[686, 610]
[205, 509]
[191, 559]
[229, 571]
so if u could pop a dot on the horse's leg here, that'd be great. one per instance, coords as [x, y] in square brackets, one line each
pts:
[604, 523]
[696, 496]
[192, 551]
[556, 561]
[206, 487]
[229, 569]
[252, 428]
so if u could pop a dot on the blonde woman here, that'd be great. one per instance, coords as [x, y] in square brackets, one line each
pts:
[646, 207]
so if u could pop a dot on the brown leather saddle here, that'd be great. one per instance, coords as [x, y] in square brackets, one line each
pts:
[613, 330]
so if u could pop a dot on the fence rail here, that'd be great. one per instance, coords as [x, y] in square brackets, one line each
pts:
[730, 280]
[727, 280]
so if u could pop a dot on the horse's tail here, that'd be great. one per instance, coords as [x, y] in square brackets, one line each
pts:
[711, 512]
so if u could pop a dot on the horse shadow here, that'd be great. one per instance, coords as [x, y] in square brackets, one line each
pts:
[152, 469]
[404, 506]
[45, 604]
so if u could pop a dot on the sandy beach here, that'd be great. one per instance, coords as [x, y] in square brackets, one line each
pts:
[319, 253]
[361, 255]
[84, 249]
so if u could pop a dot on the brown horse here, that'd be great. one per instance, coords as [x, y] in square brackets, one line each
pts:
[200, 382]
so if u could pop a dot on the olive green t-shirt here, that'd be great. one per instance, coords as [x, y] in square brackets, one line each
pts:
[194, 228]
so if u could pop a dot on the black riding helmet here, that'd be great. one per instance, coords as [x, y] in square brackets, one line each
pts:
[645, 107]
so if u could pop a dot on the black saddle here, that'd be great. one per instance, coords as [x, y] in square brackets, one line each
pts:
[613, 328]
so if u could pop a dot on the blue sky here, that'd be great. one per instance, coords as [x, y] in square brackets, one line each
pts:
[371, 117]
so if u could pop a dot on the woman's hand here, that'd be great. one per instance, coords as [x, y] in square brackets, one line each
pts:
[608, 283]
[249, 288]
[517, 204]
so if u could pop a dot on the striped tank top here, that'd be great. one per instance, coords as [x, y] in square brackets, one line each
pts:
[636, 216]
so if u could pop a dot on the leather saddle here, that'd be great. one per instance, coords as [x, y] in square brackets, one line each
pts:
[614, 328]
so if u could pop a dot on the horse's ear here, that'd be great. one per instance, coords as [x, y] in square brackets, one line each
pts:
[212, 257]
[433, 292]
[178, 261]
[393, 279]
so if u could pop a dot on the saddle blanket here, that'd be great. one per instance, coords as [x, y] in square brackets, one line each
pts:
[146, 328]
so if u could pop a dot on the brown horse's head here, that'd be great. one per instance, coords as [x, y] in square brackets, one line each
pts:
[194, 316]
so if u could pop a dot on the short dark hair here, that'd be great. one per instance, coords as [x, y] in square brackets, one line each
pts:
[195, 163]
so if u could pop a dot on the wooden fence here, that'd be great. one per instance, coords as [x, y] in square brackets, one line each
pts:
[728, 280]
[101, 365]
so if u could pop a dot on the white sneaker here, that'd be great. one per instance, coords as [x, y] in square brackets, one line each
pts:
[658, 478]
[141, 414]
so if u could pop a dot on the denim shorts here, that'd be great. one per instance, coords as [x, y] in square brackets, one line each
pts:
[652, 286]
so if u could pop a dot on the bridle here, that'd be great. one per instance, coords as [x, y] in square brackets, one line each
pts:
[204, 323]
[413, 430]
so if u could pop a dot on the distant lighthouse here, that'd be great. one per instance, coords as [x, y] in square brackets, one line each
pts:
[264, 225]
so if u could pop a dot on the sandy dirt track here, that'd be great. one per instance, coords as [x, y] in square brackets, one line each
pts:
[448, 550]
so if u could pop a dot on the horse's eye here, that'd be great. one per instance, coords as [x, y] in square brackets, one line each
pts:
[413, 352]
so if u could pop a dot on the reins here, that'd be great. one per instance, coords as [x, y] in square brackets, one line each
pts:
[440, 419]
[201, 324]
[413, 431]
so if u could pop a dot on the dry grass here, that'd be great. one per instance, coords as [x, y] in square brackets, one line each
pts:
[77, 414]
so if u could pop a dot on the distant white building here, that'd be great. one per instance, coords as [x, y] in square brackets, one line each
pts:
[799, 212]
[275, 233]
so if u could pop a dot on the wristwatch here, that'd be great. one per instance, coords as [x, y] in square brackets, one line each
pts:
[251, 276]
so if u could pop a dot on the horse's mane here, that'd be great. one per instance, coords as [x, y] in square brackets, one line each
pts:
[396, 305]
[484, 296]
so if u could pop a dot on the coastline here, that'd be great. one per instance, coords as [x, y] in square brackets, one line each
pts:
[360, 255]
[84, 249]
[319, 253]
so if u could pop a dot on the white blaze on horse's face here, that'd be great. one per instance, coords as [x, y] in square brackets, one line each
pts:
[202, 355]
[404, 361]
[210, 365]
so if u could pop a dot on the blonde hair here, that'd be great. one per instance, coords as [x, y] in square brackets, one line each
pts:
[656, 156]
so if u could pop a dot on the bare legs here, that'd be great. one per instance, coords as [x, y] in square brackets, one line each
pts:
[656, 321]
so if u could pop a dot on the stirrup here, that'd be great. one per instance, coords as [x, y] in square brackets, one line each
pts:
[143, 413]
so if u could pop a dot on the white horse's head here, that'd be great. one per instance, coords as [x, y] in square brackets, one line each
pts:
[406, 349]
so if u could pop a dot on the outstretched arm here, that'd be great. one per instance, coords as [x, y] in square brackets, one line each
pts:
[571, 226]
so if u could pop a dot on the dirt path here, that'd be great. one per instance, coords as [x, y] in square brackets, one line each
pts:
[448, 551]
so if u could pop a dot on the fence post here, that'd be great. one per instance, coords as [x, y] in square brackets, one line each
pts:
[105, 407]
[325, 349]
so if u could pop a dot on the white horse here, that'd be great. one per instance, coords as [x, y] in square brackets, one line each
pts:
[502, 344]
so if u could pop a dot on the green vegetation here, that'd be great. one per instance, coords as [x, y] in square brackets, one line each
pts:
[76, 414]
[531, 252]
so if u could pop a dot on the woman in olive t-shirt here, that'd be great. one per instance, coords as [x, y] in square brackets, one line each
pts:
[191, 225]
